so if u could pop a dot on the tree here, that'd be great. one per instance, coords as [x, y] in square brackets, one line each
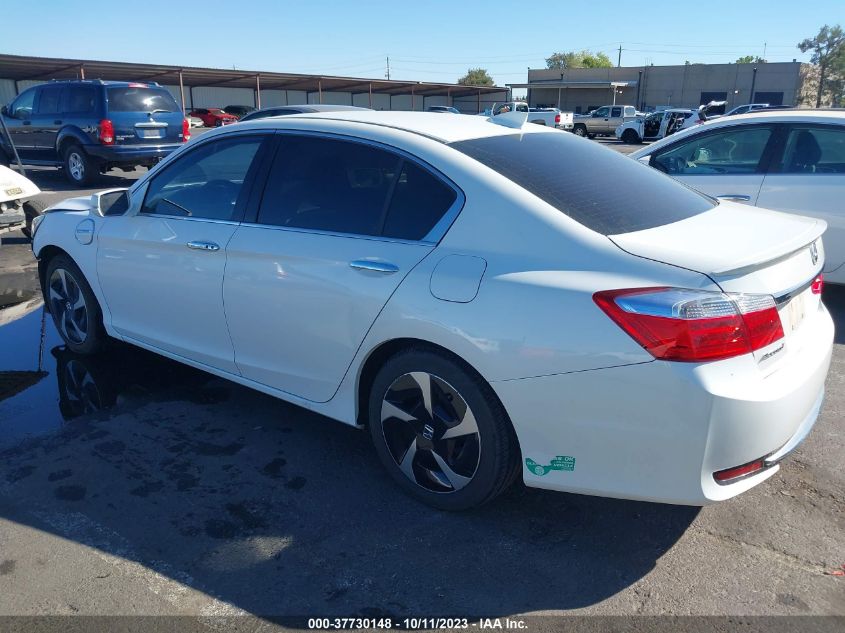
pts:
[476, 77]
[828, 48]
[578, 59]
[751, 59]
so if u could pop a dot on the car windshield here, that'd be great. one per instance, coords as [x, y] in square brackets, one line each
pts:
[215, 111]
[605, 191]
[131, 99]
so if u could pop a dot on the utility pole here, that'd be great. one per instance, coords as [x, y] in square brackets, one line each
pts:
[387, 74]
[764, 50]
[619, 59]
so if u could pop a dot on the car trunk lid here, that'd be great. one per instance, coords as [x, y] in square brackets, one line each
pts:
[744, 250]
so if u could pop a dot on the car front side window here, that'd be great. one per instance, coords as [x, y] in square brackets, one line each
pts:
[22, 106]
[601, 112]
[737, 151]
[207, 183]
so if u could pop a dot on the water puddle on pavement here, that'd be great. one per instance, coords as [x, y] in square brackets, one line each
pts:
[44, 386]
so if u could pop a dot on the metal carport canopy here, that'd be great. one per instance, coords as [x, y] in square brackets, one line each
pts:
[18, 67]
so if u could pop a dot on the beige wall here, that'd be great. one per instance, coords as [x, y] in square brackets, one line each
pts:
[679, 86]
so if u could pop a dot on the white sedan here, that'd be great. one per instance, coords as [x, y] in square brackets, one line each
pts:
[788, 160]
[600, 329]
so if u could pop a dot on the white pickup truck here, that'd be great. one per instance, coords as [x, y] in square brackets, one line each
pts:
[551, 117]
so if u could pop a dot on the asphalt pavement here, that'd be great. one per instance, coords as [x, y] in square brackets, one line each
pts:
[132, 485]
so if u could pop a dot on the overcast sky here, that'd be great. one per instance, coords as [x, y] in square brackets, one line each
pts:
[433, 40]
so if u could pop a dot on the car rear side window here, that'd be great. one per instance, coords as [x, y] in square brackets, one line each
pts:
[343, 186]
[80, 99]
[328, 185]
[50, 100]
[206, 183]
[601, 189]
[132, 99]
[814, 150]
[419, 200]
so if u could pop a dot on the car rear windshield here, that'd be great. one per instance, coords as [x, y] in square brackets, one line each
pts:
[131, 99]
[605, 191]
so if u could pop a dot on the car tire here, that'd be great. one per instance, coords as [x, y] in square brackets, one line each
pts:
[75, 310]
[579, 130]
[461, 458]
[32, 209]
[78, 166]
[630, 137]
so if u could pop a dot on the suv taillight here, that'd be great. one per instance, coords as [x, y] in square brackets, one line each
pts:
[818, 285]
[186, 131]
[557, 118]
[106, 132]
[694, 326]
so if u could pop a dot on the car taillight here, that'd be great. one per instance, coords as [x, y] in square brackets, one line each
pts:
[818, 285]
[186, 131]
[680, 324]
[557, 118]
[106, 132]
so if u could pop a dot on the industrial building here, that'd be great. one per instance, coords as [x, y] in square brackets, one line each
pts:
[215, 87]
[687, 86]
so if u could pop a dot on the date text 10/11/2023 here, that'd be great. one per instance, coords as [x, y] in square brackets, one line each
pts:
[416, 623]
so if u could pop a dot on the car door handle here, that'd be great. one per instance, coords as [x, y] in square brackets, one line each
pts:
[203, 246]
[734, 197]
[379, 267]
[57, 122]
[27, 123]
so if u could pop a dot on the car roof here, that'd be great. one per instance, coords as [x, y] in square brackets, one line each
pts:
[444, 129]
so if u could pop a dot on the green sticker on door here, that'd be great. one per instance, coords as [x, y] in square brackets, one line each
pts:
[561, 462]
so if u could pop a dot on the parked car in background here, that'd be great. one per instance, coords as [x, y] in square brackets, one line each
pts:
[297, 109]
[748, 107]
[194, 121]
[550, 117]
[491, 301]
[213, 117]
[658, 125]
[88, 127]
[447, 109]
[18, 206]
[789, 160]
[238, 110]
[603, 121]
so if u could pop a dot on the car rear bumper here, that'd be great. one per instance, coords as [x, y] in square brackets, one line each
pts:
[131, 154]
[658, 431]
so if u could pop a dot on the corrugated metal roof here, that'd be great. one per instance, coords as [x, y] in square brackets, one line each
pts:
[20, 67]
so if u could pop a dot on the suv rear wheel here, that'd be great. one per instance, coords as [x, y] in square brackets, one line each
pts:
[79, 168]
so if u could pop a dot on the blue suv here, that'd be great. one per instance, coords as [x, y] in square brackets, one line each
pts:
[89, 127]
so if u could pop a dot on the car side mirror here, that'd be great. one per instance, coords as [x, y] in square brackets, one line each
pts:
[112, 202]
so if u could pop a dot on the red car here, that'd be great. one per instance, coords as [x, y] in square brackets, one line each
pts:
[213, 117]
